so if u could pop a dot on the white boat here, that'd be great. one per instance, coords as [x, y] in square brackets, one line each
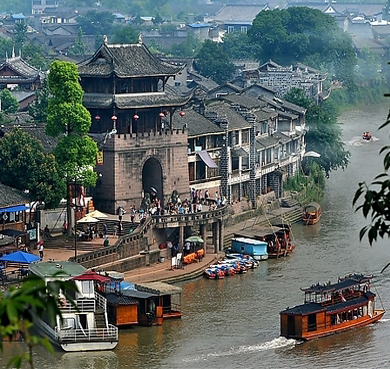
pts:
[85, 328]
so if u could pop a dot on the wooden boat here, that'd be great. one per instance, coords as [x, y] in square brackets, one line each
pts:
[367, 136]
[248, 246]
[311, 213]
[278, 239]
[331, 308]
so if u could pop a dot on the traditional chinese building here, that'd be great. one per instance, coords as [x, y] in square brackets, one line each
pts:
[127, 94]
[16, 72]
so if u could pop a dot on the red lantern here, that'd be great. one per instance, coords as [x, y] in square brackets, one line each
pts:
[182, 113]
[161, 115]
[114, 118]
[135, 117]
[97, 117]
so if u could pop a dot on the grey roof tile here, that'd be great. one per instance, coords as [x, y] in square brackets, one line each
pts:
[10, 196]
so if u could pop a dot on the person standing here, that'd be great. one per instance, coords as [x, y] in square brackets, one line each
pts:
[121, 212]
[115, 230]
[40, 250]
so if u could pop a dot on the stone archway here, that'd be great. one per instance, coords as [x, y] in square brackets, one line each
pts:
[152, 176]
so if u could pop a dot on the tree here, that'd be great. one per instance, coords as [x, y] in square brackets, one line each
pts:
[9, 104]
[237, 46]
[296, 34]
[21, 34]
[213, 62]
[324, 134]
[189, 48]
[125, 35]
[78, 48]
[69, 120]
[18, 305]
[38, 108]
[34, 55]
[25, 166]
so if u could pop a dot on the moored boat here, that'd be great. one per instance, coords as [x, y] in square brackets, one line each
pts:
[331, 308]
[248, 246]
[311, 213]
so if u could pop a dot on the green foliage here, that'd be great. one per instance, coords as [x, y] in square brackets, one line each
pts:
[237, 46]
[25, 166]
[5, 47]
[68, 119]
[213, 62]
[38, 108]
[324, 134]
[18, 305]
[125, 35]
[297, 34]
[20, 35]
[189, 48]
[310, 186]
[78, 48]
[34, 55]
[9, 104]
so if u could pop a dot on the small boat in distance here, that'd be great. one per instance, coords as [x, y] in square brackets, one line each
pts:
[331, 308]
[311, 213]
[367, 136]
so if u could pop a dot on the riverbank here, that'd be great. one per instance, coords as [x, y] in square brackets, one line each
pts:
[164, 272]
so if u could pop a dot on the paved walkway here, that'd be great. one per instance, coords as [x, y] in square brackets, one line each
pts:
[163, 271]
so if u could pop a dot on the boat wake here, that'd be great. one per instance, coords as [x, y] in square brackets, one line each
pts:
[384, 320]
[359, 141]
[276, 343]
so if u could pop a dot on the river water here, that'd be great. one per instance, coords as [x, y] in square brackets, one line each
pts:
[234, 322]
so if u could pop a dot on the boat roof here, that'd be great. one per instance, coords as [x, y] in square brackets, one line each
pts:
[314, 205]
[62, 269]
[249, 241]
[314, 307]
[344, 283]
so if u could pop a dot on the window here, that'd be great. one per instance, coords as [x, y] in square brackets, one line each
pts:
[245, 137]
[230, 29]
[244, 29]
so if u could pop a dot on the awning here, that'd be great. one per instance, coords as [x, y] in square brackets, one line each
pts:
[204, 155]
[239, 151]
[14, 209]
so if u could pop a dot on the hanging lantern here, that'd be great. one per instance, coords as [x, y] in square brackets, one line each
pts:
[135, 117]
[161, 115]
[97, 117]
[114, 118]
[182, 113]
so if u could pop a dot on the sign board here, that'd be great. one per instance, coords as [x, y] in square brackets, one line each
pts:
[32, 233]
[99, 158]
[198, 148]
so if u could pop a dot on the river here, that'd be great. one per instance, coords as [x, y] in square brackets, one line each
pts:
[234, 322]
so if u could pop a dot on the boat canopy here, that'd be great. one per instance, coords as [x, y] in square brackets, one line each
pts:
[312, 205]
[344, 283]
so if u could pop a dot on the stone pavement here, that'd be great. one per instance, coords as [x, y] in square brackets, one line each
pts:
[163, 271]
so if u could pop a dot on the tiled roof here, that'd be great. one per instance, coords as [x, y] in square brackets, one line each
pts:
[10, 196]
[23, 70]
[238, 13]
[170, 97]
[126, 60]
[236, 121]
[197, 124]
[36, 130]
[263, 115]
[266, 142]
[244, 101]
[283, 105]
[114, 299]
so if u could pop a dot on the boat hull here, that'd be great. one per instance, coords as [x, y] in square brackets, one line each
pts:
[342, 327]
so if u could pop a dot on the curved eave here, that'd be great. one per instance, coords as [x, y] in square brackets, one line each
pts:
[108, 75]
[134, 102]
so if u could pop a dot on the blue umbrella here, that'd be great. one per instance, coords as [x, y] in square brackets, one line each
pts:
[20, 257]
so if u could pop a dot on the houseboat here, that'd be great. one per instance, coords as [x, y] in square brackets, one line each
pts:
[248, 246]
[278, 238]
[331, 308]
[311, 213]
[85, 328]
[142, 304]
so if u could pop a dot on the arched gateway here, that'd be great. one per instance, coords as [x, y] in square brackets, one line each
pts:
[152, 179]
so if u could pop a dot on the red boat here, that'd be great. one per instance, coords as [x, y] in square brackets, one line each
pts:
[367, 136]
[331, 308]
